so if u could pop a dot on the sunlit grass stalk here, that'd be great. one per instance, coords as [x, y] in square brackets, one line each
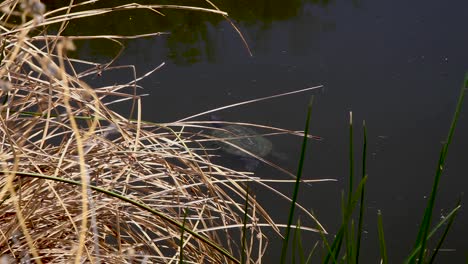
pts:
[133, 202]
[296, 186]
[422, 236]
[244, 227]
[83, 170]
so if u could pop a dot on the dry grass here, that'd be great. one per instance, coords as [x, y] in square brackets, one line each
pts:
[151, 180]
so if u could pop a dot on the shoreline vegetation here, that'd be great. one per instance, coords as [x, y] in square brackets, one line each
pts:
[82, 183]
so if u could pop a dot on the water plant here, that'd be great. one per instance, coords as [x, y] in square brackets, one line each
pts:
[350, 237]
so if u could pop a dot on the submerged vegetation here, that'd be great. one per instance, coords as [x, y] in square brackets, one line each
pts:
[79, 182]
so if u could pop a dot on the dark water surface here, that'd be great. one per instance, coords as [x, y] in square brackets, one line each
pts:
[398, 65]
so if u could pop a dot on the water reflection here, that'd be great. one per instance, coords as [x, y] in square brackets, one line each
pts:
[193, 34]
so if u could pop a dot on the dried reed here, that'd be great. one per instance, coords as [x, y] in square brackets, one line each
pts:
[141, 183]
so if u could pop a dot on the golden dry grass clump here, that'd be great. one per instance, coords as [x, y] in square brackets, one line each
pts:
[80, 183]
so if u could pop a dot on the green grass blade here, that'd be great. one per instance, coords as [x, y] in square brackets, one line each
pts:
[426, 222]
[344, 228]
[311, 253]
[421, 239]
[348, 213]
[383, 247]
[361, 204]
[456, 115]
[346, 208]
[296, 186]
[327, 246]
[329, 249]
[346, 205]
[444, 235]
[300, 247]
[434, 230]
[336, 246]
[348, 235]
[296, 236]
[351, 246]
[351, 158]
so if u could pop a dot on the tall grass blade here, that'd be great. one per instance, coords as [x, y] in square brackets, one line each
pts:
[296, 186]
[328, 248]
[295, 242]
[348, 213]
[352, 247]
[444, 235]
[312, 251]
[344, 224]
[351, 158]
[421, 239]
[347, 232]
[346, 205]
[426, 222]
[300, 247]
[383, 247]
[434, 230]
[361, 204]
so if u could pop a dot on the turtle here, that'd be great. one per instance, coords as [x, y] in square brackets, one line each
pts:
[242, 142]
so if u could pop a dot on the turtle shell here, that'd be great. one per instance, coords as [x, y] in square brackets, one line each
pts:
[243, 137]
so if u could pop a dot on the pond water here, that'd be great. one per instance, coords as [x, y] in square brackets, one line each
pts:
[398, 65]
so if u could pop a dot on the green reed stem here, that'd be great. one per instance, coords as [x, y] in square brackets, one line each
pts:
[296, 186]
